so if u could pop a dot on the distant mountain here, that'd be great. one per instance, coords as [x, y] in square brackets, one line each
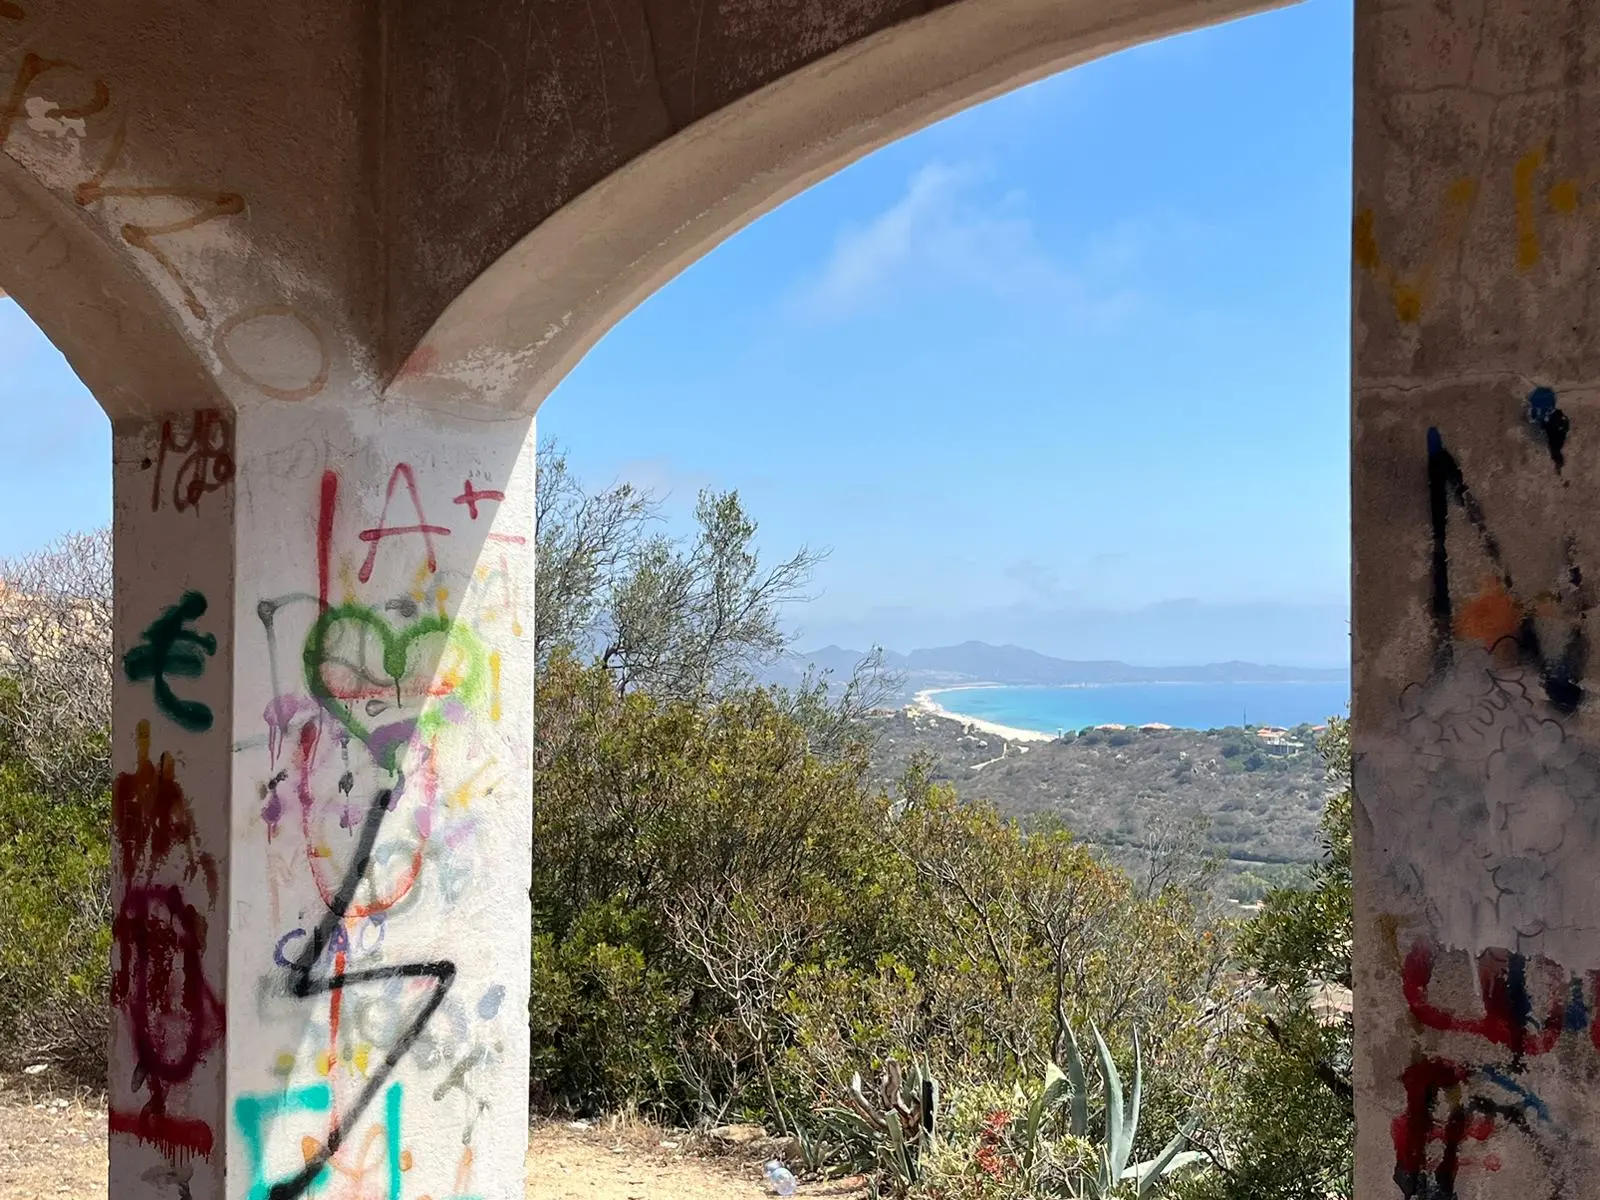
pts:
[979, 662]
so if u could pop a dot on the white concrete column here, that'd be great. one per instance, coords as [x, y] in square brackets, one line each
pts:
[324, 728]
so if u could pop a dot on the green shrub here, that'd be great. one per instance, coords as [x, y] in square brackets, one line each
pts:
[726, 922]
[55, 938]
[1281, 1110]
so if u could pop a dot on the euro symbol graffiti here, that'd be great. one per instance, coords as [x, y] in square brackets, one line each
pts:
[169, 647]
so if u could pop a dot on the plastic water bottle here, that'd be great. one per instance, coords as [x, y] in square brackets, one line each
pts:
[778, 1176]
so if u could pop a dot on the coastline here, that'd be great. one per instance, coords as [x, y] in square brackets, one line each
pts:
[926, 703]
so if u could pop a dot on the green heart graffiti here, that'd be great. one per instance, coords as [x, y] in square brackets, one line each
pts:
[461, 647]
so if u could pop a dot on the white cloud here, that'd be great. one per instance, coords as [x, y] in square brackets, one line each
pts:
[664, 478]
[943, 232]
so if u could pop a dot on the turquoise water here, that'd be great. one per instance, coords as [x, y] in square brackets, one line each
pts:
[1187, 705]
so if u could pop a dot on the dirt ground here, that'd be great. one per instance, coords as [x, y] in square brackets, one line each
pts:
[53, 1147]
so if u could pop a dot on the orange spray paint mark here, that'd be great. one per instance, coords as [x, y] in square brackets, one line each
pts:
[1490, 616]
[335, 1003]
[464, 1171]
[494, 685]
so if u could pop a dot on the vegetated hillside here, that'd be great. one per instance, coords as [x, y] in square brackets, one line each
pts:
[1121, 788]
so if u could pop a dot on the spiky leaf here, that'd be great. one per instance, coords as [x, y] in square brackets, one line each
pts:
[1118, 1148]
[1055, 1083]
[1080, 1086]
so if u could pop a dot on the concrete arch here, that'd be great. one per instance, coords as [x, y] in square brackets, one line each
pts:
[113, 327]
[515, 331]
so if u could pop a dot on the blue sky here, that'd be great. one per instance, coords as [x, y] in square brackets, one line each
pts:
[1068, 370]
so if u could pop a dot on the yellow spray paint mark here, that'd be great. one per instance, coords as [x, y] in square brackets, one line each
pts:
[324, 1063]
[494, 685]
[361, 1057]
[1564, 197]
[285, 1064]
[1407, 292]
[452, 671]
[1363, 243]
[1522, 188]
[1407, 302]
[462, 795]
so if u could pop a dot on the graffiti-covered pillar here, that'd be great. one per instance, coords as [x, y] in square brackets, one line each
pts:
[1477, 559]
[323, 725]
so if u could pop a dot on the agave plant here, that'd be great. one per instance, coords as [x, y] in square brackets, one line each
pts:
[897, 1124]
[1111, 1169]
[812, 1146]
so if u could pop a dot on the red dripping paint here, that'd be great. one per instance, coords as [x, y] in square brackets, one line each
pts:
[325, 511]
[1507, 1019]
[168, 885]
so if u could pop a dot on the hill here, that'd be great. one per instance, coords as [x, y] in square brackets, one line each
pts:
[1256, 802]
[979, 662]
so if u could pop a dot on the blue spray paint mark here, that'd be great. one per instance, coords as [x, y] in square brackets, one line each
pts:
[391, 1129]
[1577, 1019]
[490, 1003]
[1529, 1099]
[1545, 415]
[253, 1113]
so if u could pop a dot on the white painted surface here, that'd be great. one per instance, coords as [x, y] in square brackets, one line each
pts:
[357, 812]
[399, 665]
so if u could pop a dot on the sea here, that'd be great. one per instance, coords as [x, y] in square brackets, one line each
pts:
[1185, 705]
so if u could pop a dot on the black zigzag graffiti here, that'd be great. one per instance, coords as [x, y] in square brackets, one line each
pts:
[305, 984]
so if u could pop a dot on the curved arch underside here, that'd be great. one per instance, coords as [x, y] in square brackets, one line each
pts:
[448, 203]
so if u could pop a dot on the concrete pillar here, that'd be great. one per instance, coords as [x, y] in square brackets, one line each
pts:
[323, 729]
[1477, 556]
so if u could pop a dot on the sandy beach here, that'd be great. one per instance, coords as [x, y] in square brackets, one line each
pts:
[926, 702]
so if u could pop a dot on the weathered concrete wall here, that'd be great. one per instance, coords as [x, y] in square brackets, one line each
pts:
[326, 883]
[1477, 242]
[172, 751]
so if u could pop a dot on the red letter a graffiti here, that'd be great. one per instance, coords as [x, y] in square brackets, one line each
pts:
[374, 536]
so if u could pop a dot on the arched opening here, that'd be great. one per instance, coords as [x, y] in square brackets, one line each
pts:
[1472, 254]
[1026, 352]
[513, 333]
[930, 215]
